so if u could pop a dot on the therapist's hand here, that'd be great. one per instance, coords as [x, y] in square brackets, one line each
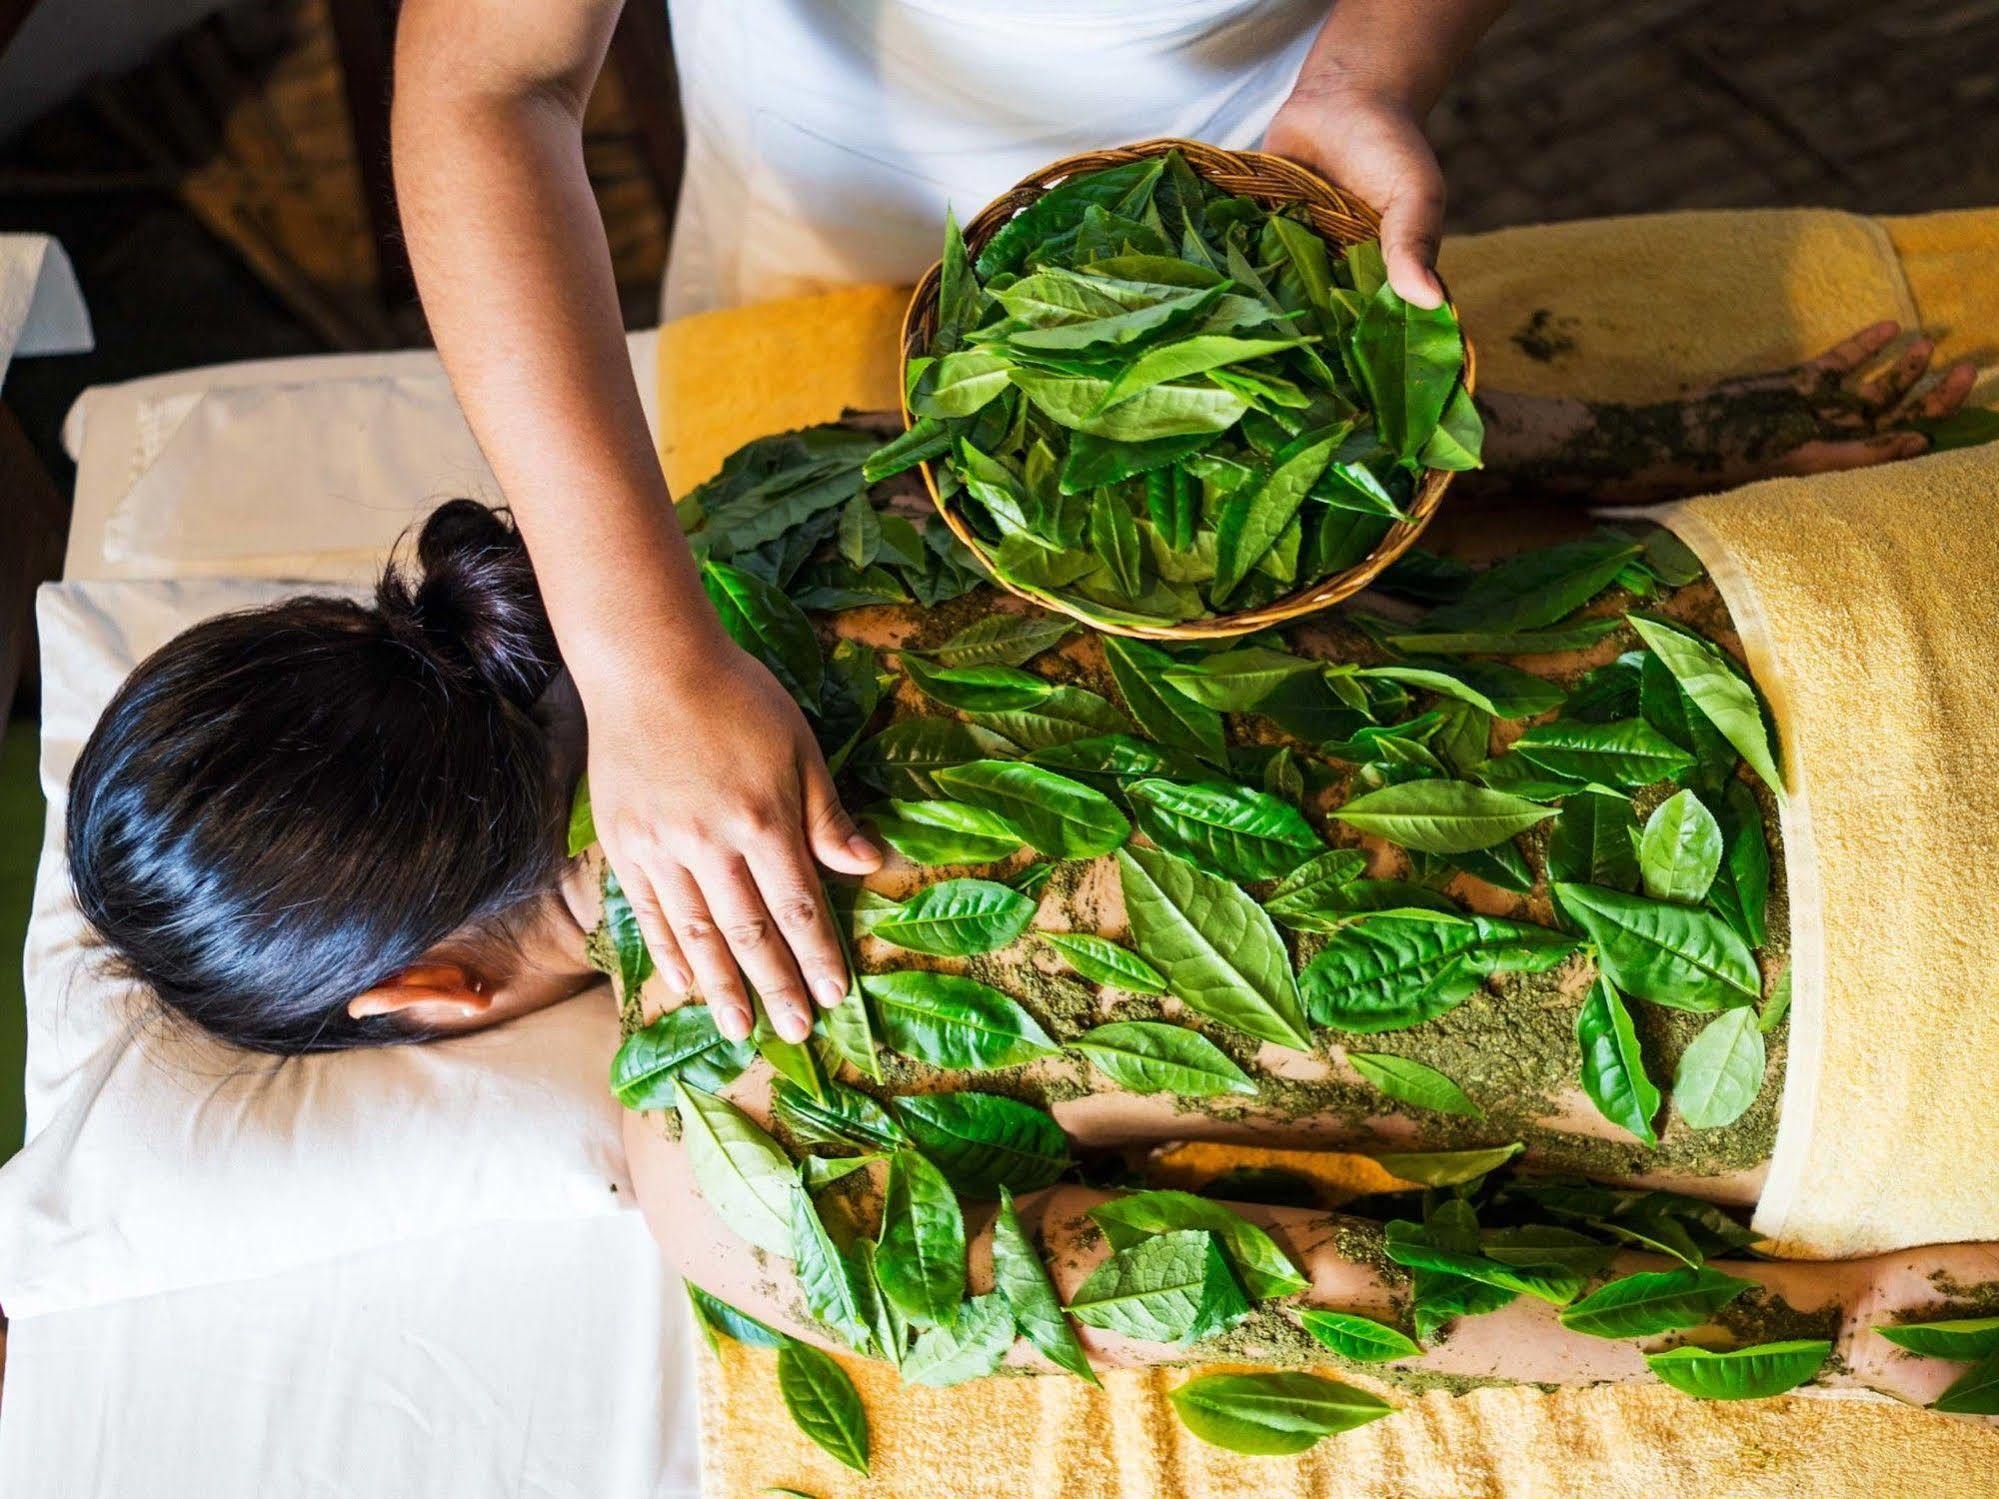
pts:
[1370, 141]
[712, 802]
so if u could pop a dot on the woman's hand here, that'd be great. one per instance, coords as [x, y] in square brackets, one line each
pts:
[1371, 143]
[1819, 417]
[1822, 416]
[712, 801]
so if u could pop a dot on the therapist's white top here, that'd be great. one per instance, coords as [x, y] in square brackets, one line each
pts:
[825, 137]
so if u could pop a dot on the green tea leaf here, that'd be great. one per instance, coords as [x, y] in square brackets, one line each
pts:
[761, 620]
[1975, 1393]
[823, 1403]
[955, 918]
[1236, 681]
[1056, 816]
[1217, 949]
[977, 689]
[1020, 1276]
[971, 1347]
[982, 1142]
[1402, 968]
[1753, 1373]
[1272, 1414]
[1160, 708]
[1254, 515]
[901, 758]
[1193, 355]
[1740, 894]
[716, 1316]
[1721, 1071]
[1626, 753]
[743, 1174]
[1553, 1281]
[1579, 636]
[1962, 1339]
[1535, 589]
[960, 384]
[682, 1043]
[1446, 1168]
[953, 1022]
[793, 1060]
[1172, 410]
[1680, 850]
[830, 1277]
[1670, 955]
[1104, 962]
[1717, 690]
[1613, 1064]
[1265, 1270]
[1408, 359]
[1594, 842]
[1064, 714]
[1652, 1302]
[1222, 828]
[1061, 209]
[842, 1117]
[943, 832]
[1004, 639]
[1114, 537]
[1313, 887]
[1412, 1082]
[1460, 436]
[920, 1259]
[582, 824]
[1150, 1056]
[1361, 1339]
[1158, 1290]
[1442, 817]
[628, 943]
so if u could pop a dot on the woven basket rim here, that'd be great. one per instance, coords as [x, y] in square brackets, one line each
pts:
[1273, 181]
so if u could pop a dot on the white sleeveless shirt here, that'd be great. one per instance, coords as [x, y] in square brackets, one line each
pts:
[826, 137]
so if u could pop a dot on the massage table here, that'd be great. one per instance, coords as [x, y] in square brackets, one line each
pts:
[544, 1357]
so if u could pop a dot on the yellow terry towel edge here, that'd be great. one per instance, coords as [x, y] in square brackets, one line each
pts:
[1805, 1055]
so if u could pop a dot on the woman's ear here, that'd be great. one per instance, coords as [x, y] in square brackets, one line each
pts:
[437, 995]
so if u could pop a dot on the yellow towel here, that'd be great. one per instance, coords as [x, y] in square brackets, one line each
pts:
[1636, 309]
[1885, 680]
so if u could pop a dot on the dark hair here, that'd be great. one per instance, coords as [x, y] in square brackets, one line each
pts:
[284, 807]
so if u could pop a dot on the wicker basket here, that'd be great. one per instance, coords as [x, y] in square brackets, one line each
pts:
[1340, 218]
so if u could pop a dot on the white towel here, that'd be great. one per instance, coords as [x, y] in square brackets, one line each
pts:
[41, 306]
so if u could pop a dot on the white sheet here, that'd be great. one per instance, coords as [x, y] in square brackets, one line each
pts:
[161, 462]
[551, 1361]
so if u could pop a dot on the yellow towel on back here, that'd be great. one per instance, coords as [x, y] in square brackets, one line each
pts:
[1634, 309]
[1867, 603]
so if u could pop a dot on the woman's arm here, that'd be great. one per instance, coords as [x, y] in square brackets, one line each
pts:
[1817, 418]
[1523, 1341]
[715, 850]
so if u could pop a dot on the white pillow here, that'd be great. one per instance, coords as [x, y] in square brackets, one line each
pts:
[155, 1163]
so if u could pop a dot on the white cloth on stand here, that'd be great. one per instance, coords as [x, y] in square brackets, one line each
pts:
[826, 137]
[41, 306]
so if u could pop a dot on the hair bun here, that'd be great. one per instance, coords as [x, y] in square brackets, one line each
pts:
[475, 602]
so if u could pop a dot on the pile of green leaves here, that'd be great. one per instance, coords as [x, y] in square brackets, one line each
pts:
[1160, 402]
[1202, 779]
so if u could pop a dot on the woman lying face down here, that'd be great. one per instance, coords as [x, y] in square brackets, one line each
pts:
[324, 825]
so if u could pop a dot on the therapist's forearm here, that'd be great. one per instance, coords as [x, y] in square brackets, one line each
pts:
[510, 253]
[1403, 49]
